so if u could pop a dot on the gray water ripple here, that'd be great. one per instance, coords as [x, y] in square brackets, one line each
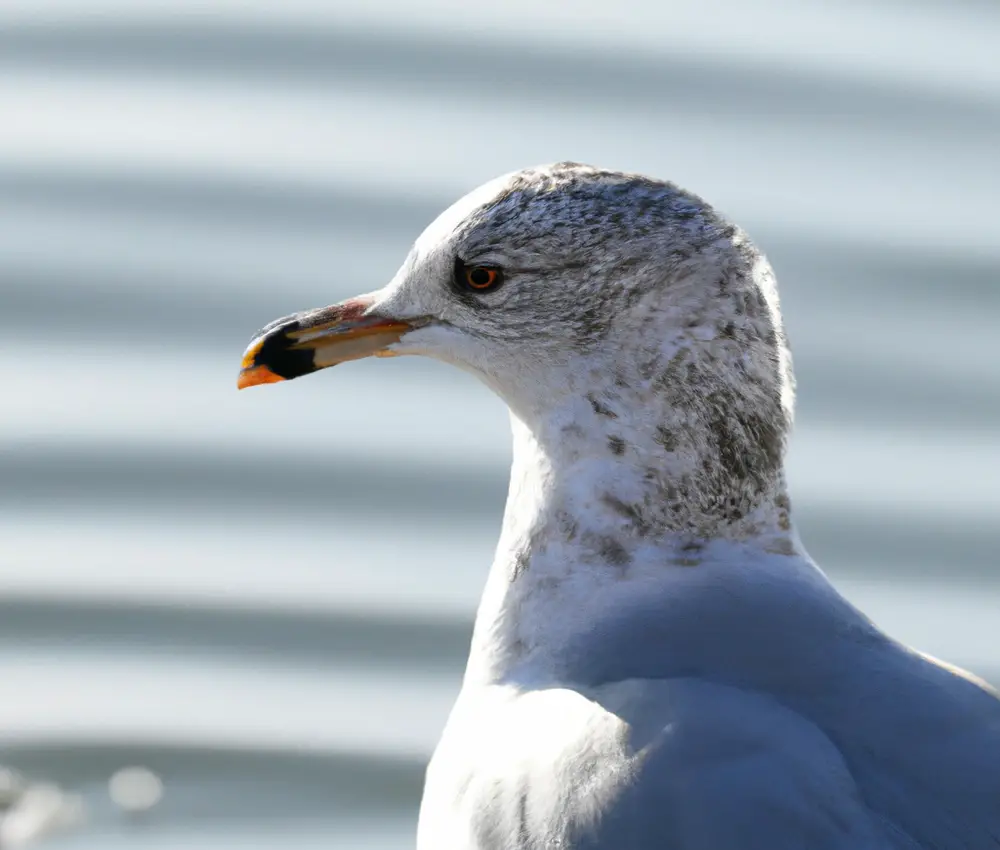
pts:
[141, 475]
[108, 481]
[316, 640]
[367, 57]
[354, 779]
[332, 211]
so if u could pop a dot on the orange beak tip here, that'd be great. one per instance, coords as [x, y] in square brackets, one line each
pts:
[254, 375]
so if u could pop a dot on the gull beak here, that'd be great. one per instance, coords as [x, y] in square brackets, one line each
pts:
[306, 342]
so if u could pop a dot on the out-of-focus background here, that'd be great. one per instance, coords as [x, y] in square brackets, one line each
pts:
[265, 598]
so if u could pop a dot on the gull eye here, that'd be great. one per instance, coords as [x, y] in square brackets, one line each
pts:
[477, 278]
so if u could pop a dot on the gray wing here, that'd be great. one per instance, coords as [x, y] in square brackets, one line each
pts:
[732, 770]
[907, 756]
[923, 742]
[911, 748]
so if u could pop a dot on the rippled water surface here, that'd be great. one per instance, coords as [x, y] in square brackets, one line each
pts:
[266, 597]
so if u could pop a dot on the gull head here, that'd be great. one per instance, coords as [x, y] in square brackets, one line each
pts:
[622, 319]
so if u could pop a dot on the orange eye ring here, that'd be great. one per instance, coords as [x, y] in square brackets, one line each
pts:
[482, 278]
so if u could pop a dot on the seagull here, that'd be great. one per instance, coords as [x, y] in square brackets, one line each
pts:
[656, 663]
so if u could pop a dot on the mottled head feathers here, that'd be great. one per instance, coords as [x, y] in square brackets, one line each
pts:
[635, 323]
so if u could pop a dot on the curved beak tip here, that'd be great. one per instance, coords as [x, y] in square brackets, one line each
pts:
[255, 375]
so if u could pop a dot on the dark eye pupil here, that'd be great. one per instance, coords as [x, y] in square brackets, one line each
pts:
[475, 277]
[481, 277]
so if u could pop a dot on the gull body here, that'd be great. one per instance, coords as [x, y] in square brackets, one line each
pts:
[656, 661]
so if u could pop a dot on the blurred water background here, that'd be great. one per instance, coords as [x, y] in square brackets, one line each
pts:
[266, 597]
